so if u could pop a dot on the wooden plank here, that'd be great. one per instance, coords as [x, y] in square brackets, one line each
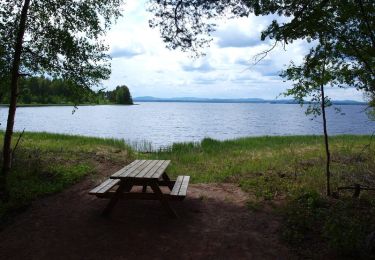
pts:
[154, 169]
[160, 170]
[105, 186]
[132, 169]
[138, 169]
[184, 186]
[177, 185]
[109, 186]
[147, 169]
[138, 196]
[127, 167]
[151, 170]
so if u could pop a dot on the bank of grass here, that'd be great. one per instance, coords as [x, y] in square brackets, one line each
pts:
[274, 166]
[45, 163]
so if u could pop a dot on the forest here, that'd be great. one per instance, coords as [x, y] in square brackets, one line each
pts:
[43, 90]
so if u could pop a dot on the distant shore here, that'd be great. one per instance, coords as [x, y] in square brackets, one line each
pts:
[193, 100]
[237, 100]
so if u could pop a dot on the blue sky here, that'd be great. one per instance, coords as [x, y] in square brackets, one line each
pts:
[141, 61]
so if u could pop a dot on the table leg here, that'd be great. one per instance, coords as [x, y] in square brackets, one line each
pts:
[123, 187]
[163, 200]
[144, 189]
[166, 178]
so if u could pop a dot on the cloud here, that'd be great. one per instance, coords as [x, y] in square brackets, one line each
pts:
[238, 34]
[204, 67]
[142, 62]
[126, 52]
[265, 67]
[237, 39]
[205, 81]
[243, 62]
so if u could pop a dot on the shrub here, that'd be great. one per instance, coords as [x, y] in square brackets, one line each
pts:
[346, 225]
[301, 217]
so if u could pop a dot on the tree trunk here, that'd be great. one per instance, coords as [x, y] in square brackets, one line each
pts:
[7, 151]
[328, 155]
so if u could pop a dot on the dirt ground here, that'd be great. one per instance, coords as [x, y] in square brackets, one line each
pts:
[213, 223]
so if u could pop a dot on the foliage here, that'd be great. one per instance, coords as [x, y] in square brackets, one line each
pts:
[186, 24]
[41, 90]
[270, 167]
[345, 224]
[347, 26]
[62, 39]
[120, 95]
[348, 226]
[316, 71]
[301, 217]
[48, 163]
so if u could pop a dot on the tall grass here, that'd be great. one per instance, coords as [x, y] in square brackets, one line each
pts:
[273, 165]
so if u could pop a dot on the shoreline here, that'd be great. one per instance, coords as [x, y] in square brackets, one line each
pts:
[136, 102]
[148, 144]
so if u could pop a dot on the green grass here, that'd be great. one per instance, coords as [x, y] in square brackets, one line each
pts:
[290, 167]
[272, 166]
[265, 166]
[46, 163]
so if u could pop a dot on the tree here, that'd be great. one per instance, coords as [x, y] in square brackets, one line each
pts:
[348, 25]
[58, 38]
[310, 79]
[344, 33]
[123, 95]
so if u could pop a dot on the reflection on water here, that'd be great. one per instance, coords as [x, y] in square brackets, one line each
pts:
[165, 123]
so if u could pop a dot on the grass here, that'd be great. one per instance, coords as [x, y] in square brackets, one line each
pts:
[266, 166]
[46, 163]
[273, 166]
[290, 168]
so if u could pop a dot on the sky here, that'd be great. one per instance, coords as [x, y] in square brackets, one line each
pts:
[141, 61]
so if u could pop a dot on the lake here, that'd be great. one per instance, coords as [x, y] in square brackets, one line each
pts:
[161, 124]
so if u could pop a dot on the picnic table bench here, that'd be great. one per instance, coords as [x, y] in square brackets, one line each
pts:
[145, 173]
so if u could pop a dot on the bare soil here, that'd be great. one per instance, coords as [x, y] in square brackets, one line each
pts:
[213, 223]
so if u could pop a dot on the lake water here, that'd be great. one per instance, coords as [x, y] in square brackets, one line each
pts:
[165, 123]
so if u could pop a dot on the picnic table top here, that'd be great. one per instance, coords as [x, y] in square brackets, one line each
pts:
[142, 169]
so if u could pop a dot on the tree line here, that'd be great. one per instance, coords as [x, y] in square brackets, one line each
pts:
[42, 90]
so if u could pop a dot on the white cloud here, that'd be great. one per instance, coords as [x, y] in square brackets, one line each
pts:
[142, 62]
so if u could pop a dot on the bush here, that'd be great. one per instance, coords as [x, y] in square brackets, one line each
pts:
[301, 217]
[348, 226]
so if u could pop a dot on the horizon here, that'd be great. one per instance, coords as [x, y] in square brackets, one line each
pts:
[239, 98]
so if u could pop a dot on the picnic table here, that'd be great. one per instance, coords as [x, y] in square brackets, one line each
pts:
[144, 173]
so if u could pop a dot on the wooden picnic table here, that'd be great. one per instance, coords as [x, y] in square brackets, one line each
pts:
[145, 173]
